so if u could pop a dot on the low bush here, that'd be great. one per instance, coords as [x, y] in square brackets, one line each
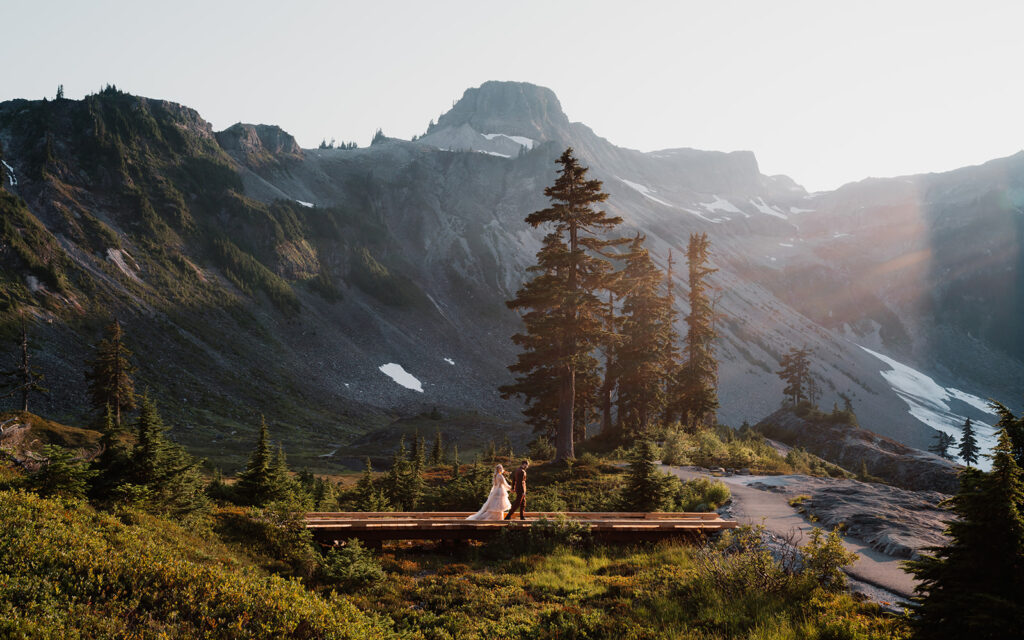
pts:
[67, 571]
[350, 567]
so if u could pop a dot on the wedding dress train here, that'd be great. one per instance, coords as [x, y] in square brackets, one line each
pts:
[497, 500]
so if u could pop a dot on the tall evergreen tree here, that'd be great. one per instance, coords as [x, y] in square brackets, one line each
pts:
[168, 474]
[418, 454]
[562, 312]
[969, 449]
[437, 450]
[973, 587]
[696, 386]
[645, 327]
[1014, 428]
[796, 373]
[265, 478]
[368, 496]
[24, 379]
[110, 374]
[395, 478]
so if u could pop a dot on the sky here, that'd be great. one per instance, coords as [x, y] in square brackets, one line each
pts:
[824, 91]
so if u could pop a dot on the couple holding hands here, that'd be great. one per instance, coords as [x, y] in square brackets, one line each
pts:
[497, 501]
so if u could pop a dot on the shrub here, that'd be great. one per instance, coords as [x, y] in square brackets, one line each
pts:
[351, 567]
[701, 494]
[542, 537]
[824, 558]
[68, 571]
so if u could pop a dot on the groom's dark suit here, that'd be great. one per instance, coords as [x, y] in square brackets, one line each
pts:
[519, 488]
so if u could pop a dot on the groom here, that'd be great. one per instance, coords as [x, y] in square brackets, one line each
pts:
[519, 487]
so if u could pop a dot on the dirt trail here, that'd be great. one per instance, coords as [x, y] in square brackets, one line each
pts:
[755, 506]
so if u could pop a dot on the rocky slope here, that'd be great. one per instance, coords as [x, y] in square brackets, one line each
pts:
[258, 277]
[853, 448]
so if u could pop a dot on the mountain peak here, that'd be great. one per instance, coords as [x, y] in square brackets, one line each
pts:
[258, 144]
[511, 108]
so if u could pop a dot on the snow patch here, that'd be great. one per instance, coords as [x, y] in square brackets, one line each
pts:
[795, 210]
[785, 244]
[522, 141]
[401, 376]
[928, 401]
[643, 190]
[329, 455]
[33, 283]
[10, 174]
[839, 235]
[760, 205]
[449, 361]
[308, 205]
[720, 204]
[495, 153]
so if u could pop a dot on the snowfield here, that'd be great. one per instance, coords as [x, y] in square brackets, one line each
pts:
[520, 140]
[401, 376]
[720, 204]
[308, 205]
[929, 403]
[644, 190]
[760, 205]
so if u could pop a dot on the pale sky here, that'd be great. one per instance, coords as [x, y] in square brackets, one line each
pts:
[826, 92]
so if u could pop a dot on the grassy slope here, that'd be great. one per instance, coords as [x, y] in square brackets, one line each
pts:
[67, 571]
[216, 320]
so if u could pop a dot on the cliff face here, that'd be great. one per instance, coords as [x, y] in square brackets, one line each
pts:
[850, 446]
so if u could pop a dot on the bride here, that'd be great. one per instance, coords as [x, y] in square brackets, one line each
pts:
[497, 501]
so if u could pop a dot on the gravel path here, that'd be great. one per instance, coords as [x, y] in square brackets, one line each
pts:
[880, 576]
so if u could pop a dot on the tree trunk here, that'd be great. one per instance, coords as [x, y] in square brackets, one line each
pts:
[566, 397]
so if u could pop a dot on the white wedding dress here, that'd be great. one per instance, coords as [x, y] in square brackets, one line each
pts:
[497, 501]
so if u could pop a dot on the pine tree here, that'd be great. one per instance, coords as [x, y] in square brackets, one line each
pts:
[113, 462]
[1014, 427]
[418, 455]
[646, 334]
[972, 587]
[168, 474]
[969, 449]
[24, 378]
[696, 386]
[943, 441]
[437, 451]
[562, 312]
[796, 373]
[456, 465]
[394, 480]
[368, 496]
[265, 478]
[110, 374]
[62, 473]
[645, 486]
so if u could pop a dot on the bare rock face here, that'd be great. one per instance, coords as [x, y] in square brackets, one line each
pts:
[259, 145]
[898, 522]
[851, 447]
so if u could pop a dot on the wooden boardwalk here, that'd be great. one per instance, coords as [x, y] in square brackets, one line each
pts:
[332, 528]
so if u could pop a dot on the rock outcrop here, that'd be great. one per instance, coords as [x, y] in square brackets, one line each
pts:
[851, 447]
